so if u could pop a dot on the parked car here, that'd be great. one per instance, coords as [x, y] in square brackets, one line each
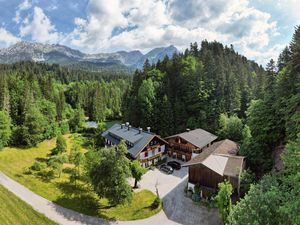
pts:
[175, 165]
[167, 169]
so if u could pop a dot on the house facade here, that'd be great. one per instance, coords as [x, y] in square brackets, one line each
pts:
[215, 164]
[187, 145]
[144, 146]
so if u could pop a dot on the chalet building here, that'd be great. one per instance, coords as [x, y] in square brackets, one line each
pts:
[215, 164]
[189, 144]
[144, 146]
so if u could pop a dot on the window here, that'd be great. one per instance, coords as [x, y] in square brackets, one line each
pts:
[159, 149]
[146, 154]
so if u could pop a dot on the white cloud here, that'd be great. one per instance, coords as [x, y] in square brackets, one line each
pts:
[265, 55]
[290, 6]
[40, 28]
[7, 38]
[22, 7]
[139, 24]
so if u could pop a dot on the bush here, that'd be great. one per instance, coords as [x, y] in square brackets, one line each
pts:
[197, 189]
[55, 151]
[27, 171]
[38, 166]
[64, 127]
[46, 174]
[156, 203]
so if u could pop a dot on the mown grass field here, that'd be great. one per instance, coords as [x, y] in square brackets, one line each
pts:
[15, 162]
[14, 211]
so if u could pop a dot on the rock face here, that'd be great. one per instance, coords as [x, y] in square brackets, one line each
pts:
[54, 53]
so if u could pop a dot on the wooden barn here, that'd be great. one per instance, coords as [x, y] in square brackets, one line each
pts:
[215, 164]
[186, 145]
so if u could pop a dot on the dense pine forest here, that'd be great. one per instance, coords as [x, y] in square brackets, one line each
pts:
[208, 86]
[192, 89]
[38, 101]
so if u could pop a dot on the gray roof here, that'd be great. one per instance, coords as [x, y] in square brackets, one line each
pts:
[198, 137]
[91, 124]
[139, 140]
[225, 149]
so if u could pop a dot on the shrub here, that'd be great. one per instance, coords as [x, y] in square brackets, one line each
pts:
[64, 127]
[27, 171]
[46, 174]
[197, 189]
[156, 203]
[38, 166]
[54, 151]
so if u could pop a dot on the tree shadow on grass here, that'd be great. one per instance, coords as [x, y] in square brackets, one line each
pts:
[40, 159]
[67, 170]
[20, 175]
[45, 175]
[84, 216]
[84, 203]
[72, 189]
[79, 198]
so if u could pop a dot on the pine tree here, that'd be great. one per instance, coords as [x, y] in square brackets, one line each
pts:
[5, 129]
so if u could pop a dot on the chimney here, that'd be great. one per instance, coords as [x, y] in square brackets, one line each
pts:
[140, 130]
[122, 125]
[148, 129]
[188, 129]
[129, 126]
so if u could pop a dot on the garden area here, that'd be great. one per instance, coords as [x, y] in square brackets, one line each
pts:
[61, 178]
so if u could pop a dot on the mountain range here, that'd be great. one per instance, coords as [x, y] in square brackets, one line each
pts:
[55, 53]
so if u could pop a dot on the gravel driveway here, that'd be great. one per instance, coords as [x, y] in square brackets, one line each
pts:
[177, 207]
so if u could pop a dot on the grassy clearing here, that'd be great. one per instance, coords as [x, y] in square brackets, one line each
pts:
[15, 162]
[15, 211]
[140, 207]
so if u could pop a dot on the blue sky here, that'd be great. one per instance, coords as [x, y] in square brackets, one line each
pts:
[258, 29]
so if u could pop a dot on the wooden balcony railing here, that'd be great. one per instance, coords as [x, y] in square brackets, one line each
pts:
[181, 147]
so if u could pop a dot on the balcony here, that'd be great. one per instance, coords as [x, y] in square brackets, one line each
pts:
[182, 147]
[150, 148]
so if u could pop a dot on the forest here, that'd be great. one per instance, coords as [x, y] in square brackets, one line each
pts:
[209, 86]
[214, 88]
[38, 101]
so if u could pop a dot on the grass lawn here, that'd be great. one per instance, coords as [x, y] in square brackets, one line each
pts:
[15, 211]
[15, 162]
[140, 207]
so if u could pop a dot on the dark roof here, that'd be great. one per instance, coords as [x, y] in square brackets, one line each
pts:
[220, 152]
[198, 137]
[132, 135]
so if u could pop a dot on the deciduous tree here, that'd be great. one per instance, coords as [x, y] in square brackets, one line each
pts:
[109, 175]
